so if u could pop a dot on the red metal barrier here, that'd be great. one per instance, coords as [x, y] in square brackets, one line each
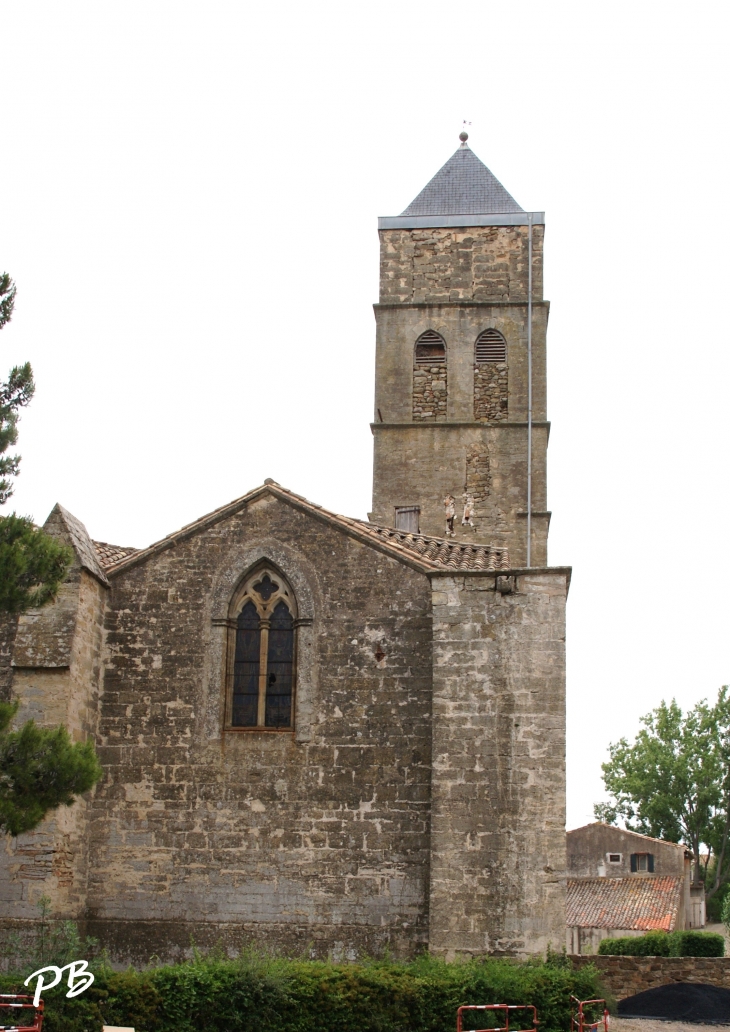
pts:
[14, 1000]
[505, 1008]
[578, 1021]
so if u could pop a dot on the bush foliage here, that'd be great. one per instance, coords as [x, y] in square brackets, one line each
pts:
[665, 944]
[270, 994]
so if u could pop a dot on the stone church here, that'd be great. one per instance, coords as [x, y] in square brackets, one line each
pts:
[320, 734]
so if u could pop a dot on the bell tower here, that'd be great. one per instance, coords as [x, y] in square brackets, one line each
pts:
[460, 430]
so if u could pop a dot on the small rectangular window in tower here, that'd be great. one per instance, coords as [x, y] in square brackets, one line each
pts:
[407, 517]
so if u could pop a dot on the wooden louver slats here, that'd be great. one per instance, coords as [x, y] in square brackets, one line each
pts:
[430, 349]
[491, 347]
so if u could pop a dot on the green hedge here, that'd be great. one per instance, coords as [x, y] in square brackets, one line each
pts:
[664, 944]
[268, 995]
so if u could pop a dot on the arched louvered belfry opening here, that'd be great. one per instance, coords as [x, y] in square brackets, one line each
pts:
[491, 377]
[430, 380]
[490, 347]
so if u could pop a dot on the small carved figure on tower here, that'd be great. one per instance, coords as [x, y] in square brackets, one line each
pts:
[450, 510]
[466, 520]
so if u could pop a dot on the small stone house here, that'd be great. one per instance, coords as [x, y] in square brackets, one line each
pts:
[321, 733]
[622, 883]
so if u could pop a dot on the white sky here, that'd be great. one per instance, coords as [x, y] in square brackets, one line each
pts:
[189, 204]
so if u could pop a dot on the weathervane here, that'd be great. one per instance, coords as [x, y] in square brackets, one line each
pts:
[464, 135]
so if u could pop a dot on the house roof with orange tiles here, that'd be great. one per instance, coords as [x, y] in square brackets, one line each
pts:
[634, 904]
[427, 554]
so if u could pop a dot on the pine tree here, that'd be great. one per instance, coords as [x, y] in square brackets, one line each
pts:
[14, 395]
[32, 565]
[40, 769]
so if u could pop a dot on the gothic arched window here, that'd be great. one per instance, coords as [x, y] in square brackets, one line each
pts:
[491, 378]
[429, 378]
[263, 647]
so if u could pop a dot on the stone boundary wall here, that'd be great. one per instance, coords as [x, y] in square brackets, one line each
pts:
[626, 976]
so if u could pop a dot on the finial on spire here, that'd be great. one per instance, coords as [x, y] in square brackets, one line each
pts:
[463, 136]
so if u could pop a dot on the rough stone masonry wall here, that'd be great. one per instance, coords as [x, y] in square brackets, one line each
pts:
[317, 839]
[484, 263]
[498, 781]
[626, 976]
[478, 476]
[52, 860]
[491, 392]
[429, 394]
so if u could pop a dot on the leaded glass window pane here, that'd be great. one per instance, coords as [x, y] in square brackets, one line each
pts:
[246, 668]
[279, 668]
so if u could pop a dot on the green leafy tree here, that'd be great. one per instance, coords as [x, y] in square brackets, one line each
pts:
[40, 768]
[673, 782]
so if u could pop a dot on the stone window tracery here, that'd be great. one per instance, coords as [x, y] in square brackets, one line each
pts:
[263, 653]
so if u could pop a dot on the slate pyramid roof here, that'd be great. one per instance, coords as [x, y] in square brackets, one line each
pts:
[464, 186]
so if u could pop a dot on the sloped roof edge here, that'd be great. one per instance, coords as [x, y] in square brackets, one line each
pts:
[464, 185]
[625, 831]
[427, 555]
[80, 540]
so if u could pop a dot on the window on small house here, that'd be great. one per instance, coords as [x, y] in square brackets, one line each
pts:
[613, 858]
[430, 349]
[642, 862]
[263, 657]
[490, 347]
[407, 518]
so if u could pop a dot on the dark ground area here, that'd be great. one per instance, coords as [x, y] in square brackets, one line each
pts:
[680, 1001]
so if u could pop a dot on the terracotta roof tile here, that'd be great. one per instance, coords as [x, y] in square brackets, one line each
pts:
[108, 555]
[638, 903]
[438, 552]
